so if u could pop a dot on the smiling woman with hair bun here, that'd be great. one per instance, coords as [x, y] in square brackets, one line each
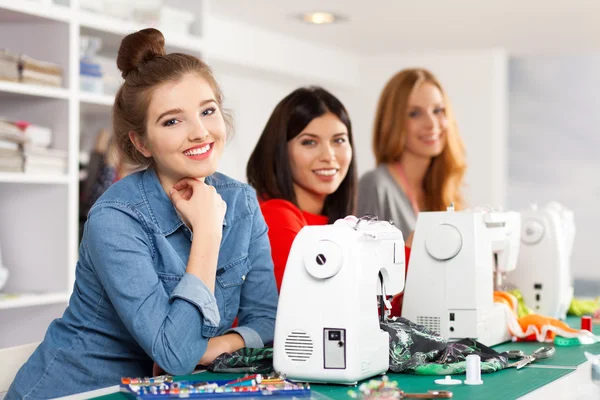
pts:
[171, 255]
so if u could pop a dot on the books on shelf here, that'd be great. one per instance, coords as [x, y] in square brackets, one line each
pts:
[23, 68]
[38, 136]
[10, 133]
[24, 147]
[42, 160]
[9, 66]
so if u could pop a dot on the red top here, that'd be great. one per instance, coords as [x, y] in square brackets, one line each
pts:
[285, 220]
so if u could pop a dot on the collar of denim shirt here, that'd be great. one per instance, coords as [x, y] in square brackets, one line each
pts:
[162, 210]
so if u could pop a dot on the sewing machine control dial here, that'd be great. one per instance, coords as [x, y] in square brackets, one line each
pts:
[324, 260]
[443, 242]
[532, 231]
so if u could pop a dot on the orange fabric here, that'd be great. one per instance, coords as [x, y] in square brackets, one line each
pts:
[285, 220]
[506, 298]
[539, 321]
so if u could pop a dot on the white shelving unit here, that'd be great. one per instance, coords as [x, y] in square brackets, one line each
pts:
[49, 179]
[23, 89]
[32, 300]
[39, 213]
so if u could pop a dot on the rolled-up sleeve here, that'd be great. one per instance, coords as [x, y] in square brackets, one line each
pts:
[192, 289]
[119, 246]
[258, 301]
[251, 337]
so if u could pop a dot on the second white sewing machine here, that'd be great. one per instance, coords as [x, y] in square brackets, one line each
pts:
[544, 267]
[454, 260]
[327, 325]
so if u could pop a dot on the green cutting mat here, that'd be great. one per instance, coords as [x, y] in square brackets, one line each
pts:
[504, 385]
[569, 357]
[495, 385]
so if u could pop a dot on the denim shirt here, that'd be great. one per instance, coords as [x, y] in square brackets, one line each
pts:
[133, 303]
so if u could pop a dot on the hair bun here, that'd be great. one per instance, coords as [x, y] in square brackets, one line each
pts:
[138, 48]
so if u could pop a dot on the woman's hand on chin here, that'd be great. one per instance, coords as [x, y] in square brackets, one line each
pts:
[200, 205]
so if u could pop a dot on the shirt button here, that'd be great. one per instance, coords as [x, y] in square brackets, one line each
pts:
[243, 277]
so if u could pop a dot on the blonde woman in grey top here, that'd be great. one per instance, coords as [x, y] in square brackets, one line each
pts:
[419, 154]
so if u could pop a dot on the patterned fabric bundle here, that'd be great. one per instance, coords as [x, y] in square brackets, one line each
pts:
[418, 350]
[246, 360]
[413, 349]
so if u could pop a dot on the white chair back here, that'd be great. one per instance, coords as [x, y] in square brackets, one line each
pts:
[11, 360]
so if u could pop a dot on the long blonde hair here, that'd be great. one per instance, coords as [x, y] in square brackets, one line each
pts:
[444, 178]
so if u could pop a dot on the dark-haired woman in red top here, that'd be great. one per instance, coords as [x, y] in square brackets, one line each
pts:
[303, 168]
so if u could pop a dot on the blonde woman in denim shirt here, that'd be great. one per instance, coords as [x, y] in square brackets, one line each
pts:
[170, 255]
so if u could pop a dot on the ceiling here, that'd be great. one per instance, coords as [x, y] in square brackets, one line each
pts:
[389, 26]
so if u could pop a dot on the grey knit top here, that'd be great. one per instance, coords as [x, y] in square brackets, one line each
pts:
[379, 194]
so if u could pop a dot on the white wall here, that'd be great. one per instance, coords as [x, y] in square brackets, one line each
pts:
[554, 144]
[476, 82]
[237, 43]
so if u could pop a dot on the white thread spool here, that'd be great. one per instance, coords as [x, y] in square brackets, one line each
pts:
[473, 370]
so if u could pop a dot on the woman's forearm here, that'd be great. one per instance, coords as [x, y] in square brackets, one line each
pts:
[203, 259]
[221, 344]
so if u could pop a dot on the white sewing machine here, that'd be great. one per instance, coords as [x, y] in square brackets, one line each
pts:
[544, 269]
[453, 262]
[327, 325]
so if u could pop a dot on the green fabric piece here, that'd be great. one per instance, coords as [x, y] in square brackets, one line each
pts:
[522, 309]
[580, 307]
[245, 360]
[416, 349]
[457, 368]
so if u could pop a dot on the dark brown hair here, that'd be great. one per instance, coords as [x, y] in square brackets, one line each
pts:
[444, 178]
[145, 65]
[269, 170]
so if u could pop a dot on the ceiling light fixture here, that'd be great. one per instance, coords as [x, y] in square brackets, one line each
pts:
[320, 18]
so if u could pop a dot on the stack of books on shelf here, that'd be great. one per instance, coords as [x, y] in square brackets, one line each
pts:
[22, 68]
[12, 140]
[25, 147]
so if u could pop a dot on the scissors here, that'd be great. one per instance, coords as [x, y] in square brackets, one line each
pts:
[541, 353]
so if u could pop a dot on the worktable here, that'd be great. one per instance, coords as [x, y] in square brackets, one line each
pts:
[561, 373]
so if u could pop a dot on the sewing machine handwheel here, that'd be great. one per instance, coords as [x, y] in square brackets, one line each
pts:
[324, 260]
[443, 242]
[532, 231]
